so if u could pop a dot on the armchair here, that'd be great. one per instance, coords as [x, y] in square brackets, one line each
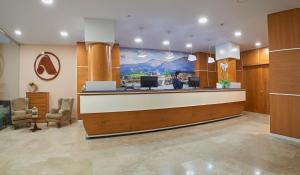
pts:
[62, 114]
[20, 112]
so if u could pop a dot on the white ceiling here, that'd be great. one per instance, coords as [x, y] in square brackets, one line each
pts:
[41, 24]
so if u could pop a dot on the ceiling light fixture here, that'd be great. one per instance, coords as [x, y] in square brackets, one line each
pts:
[18, 32]
[138, 40]
[166, 43]
[258, 44]
[189, 45]
[48, 2]
[238, 34]
[203, 20]
[64, 34]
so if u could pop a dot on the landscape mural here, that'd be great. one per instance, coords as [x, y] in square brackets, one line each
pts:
[153, 62]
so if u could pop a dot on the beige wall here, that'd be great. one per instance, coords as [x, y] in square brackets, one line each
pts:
[9, 81]
[64, 85]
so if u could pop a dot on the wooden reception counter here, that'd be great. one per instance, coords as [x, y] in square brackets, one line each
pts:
[125, 112]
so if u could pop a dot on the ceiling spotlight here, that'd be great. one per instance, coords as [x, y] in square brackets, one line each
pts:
[258, 44]
[18, 32]
[64, 34]
[166, 43]
[238, 33]
[189, 45]
[138, 40]
[203, 20]
[48, 2]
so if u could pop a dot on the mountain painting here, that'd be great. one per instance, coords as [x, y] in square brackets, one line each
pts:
[153, 62]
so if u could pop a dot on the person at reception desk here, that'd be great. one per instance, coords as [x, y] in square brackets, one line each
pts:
[177, 84]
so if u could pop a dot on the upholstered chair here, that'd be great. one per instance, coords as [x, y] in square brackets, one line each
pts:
[20, 112]
[62, 114]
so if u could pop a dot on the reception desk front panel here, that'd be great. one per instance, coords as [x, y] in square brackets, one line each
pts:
[111, 113]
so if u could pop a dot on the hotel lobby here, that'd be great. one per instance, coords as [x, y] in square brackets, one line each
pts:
[149, 87]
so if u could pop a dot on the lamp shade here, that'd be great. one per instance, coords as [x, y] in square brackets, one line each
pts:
[192, 58]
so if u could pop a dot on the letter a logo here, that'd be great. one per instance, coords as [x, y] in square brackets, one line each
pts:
[47, 66]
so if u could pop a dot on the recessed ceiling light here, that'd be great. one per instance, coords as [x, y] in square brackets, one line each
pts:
[189, 45]
[64, 34]
[166, 43]
[203, 20]
[238, 33]
[138, 40]
[18, 32]
[48, 2]
[258, 44]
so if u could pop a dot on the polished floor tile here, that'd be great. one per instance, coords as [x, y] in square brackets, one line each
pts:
[236, 146]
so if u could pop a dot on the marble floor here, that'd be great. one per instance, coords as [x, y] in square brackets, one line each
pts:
[236, 146]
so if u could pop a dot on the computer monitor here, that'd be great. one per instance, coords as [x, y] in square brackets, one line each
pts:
[149, 81]
[194, 82]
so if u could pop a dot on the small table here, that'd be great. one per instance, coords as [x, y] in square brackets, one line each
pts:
[35, 128]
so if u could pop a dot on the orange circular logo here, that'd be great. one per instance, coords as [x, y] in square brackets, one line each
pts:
[47, 66]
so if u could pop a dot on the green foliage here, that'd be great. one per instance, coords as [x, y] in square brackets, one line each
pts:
[224, 83]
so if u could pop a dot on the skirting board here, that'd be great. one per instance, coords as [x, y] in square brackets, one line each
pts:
[285, 138]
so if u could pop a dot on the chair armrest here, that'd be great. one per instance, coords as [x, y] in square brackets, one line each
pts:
[65, 112]
[28, 111]
[54, 111]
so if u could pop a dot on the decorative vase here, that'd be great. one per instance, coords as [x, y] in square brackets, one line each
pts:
[32, 88]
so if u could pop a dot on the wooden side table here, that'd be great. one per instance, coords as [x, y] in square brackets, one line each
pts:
[35, 128]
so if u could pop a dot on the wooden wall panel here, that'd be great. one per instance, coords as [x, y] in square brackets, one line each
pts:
[256, 83]
[201, 63]
[285, 118]
[203, 79]
[239, 76]
[116, 76]
[263, 56]
[116, 58]
[202, 68]
[284, 32]
[231, 71]
[255, 79]
[213, 79]
[82, 77]
[250, 58]
[255, 57]
[285, 72]
[265, 89]
[99, 62]
[284, 41]
[213, 66]
[82, 59]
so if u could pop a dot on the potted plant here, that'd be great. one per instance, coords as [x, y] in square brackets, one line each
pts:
[224, 83]
[32, 87]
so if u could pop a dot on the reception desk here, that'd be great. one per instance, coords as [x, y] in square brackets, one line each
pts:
[124, 112]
